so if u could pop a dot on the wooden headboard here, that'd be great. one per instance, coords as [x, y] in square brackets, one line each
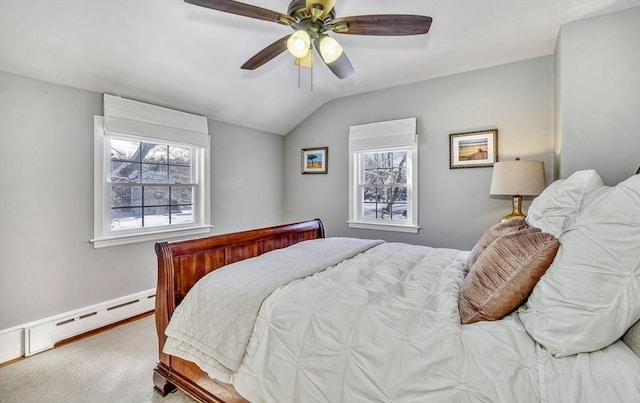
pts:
[182, 263]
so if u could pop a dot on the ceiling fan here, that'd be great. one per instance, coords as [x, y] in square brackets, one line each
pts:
[311, 21]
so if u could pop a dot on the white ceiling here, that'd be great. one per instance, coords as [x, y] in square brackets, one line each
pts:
[174, 54]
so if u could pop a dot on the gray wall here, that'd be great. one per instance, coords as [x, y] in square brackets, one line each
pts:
[47, 265]
[557, 141]
[455, 206]
[599, 92]
[247, 178]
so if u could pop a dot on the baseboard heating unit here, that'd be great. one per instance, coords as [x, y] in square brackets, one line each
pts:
[34, 337]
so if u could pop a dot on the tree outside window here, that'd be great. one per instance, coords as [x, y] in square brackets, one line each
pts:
[384, 187]
[151, 184]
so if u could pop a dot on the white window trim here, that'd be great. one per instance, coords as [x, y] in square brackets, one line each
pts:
[171, 127]
[383, 136]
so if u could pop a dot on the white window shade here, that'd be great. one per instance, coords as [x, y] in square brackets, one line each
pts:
[383, 135]
[122, 215]
[124, 116]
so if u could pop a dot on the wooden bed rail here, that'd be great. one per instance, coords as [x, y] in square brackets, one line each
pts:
[182, 263]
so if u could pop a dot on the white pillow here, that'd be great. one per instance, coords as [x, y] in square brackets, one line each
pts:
[591, 293]
[632, 338]
[561, 201]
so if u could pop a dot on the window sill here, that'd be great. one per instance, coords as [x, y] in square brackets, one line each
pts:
[147, 236]
[412, 229]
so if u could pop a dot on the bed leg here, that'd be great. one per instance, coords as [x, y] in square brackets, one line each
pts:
[161, 380]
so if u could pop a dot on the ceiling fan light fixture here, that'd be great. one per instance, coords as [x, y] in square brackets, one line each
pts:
[330, 49]
[306, 61]
[313, 19]
[299, 43]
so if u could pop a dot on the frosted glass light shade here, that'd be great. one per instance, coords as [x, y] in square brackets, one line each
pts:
[330, 49]
[306, 61]
[518, 178]
[299, 43]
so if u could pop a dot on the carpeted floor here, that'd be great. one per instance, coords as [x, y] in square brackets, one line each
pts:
[110, 367]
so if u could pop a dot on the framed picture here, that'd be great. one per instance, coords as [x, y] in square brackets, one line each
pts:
[315, 160]
[473, 149]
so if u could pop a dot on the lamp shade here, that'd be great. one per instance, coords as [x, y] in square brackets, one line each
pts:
[298, 43]
[521, 178]
[330, 49]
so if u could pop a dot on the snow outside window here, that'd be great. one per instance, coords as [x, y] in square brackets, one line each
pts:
[383, 176]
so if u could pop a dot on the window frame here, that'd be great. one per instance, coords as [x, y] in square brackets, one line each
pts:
[371, 133]
[104, 236]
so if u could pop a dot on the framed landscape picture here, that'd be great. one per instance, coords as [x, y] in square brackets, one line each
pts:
[473, 149]
[315, 160]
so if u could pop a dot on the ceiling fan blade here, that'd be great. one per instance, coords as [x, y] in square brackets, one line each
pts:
[266, 54]
[384, 24]
[342, 67]
[235, 7]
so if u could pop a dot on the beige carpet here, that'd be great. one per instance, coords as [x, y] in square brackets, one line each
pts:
[114, 366]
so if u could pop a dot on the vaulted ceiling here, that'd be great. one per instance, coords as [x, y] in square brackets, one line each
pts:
[186, 57]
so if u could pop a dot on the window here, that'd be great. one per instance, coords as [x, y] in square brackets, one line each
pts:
[151, 185]
[151, 173]
[383, 176]
[384, 186]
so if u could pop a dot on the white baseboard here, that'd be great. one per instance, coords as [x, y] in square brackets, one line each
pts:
[33, 337]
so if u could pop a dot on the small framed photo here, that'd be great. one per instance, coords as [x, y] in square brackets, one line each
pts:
[473, 149]
[315, 160]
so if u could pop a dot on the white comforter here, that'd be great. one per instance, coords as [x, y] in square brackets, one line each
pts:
[384, 327]
[212, 325]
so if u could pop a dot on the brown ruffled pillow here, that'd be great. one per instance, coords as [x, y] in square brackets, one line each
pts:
[495, 231]
[505, 273]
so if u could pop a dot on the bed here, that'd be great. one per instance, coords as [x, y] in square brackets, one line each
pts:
[540, 310]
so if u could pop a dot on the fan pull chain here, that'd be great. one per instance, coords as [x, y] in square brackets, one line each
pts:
[299, 63]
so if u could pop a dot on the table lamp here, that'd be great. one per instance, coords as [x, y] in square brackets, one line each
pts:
[516, 179]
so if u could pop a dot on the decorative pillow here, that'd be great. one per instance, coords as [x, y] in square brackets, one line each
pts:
[561, 201]
[540, 203]
[632, 338]
[505, 273]
[590, 295]
[495, 231]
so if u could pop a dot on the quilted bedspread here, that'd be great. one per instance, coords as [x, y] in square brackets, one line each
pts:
[384, 327]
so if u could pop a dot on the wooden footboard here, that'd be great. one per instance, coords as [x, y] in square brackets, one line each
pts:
[180, 265]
